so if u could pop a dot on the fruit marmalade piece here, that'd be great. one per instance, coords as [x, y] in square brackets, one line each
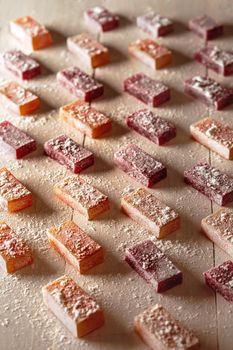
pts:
[214, 135]
[152, 54]
[85, 119]
[67, 152]
[82, 196]
[153, 265]
[77, 248]
[159, 330]
[91, 51]
[18, 99]
[211, 182]
[206, 27]
[80, 84]
[154, 128]
[21, 65]
[14, 142]
[33, 35]
[220, 61]
[149, 212]
[78, 311]
[14, 251]
[209, 92]
[140, 165]
[14, 196]
[99, 18]
[220, 279]
[147, 90]
[155, 24]
[218, 227]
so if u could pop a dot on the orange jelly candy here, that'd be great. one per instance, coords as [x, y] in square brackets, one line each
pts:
[151, 53]
[85, 119]
[75, 246]
[18, 99]
[14, 252]
[77, 310]
[82, 196]
[14, 196]
[31, 33]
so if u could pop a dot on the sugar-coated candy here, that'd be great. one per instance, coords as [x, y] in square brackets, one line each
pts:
[14, 142]
[81, 196]
[77, 248]
[211, 182]
[149, 212]
[78, 311]
[153, 265]
[151, 126]
[14, 195]
[89, 50]
[30, 33]
[67, 152]
[86, 119]
[155, 24]
[147, 90]
[80, 84]
[101, 19]
[205, 27]
[18, 99]
[14, 251]
[140, 165]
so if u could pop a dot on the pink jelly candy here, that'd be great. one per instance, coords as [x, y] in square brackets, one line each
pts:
[210, 181]
[153, 265]
[209, 92]
[154, 128]
[69, 153]
[99, 18]
[147, 90]
[140, 165]
[21, 65]
[80, 84]
[14, 142]
[220, 61]
[155, 24]
[220, 279]
[206, 27]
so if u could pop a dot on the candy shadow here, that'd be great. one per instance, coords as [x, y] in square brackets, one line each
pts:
[124, 22]
[116, 56]
[59, 38]
[40, 267]
[178, 98]
[179, 59]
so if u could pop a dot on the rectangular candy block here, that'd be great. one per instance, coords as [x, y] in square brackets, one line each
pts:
[77, 248]
[220, 279]
[152, 54]
[155, 24]
[82, 196]
[153, 265]
[214, 135]
[161, 331]
[18, 99]
[78, 311]
[206, 27]
[154, 128]
[14, 142]
[14, 195]
[80, 84]
[101, 19]
[139, 165]
[86, 119]
[211, 182]
[209, 92]
[147, 90]
[21, 65]
[218, 227]
[67, 152]
[149, 212]
[32, 34]
[14, 251]
[91, 51]
[220, 61]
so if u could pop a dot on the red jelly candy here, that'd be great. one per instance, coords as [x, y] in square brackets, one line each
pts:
[99, 18]
[206, 27]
